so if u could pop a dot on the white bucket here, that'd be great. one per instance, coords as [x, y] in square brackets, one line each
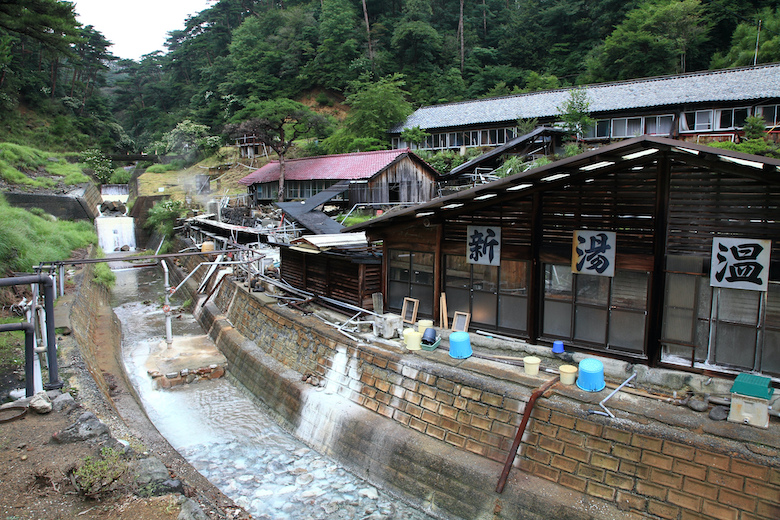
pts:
[568, 374]
[424, 324]
[531, 365]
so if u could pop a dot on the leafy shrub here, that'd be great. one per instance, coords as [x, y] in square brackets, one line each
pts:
[323, 100]
[99, 163]
[103, 275]
[96, 475]
[121, 176]
[163, 215]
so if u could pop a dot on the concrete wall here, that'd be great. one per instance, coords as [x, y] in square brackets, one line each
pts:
[80, 204]
[438, 429]
[90, 301]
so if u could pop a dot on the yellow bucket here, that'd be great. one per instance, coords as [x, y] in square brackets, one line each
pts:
[424, 324]
[531, 365]
[413, 340]
[568, 374]
[207, 246]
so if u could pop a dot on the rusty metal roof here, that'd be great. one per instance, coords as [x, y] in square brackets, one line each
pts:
[351, 166]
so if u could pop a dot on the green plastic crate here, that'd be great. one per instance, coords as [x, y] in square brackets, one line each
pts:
[752, 385]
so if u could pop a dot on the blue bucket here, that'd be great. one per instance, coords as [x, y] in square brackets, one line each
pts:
[460, 345]
[591, 378]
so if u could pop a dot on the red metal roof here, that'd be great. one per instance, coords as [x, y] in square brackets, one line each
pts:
[350, 166]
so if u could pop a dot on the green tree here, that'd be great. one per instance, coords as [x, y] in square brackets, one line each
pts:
[575, 113]
[188, 139]
[374, 108]
[743, 42]
[755, 127]
[277, 123]
[415, 136]
[415, 39]
[655, 38]
[338, 45]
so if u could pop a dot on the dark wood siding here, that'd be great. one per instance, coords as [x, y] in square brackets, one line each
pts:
[705, 203]
[336, 277]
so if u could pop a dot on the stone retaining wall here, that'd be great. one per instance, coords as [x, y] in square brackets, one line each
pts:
[85, 319]
[438, 429]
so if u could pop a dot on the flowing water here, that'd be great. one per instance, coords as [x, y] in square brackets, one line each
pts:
[229, 437]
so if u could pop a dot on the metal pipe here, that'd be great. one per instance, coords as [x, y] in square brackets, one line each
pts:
[29, 352]
[48, 302]
[167, 306]
[616, 390]
[529, 406]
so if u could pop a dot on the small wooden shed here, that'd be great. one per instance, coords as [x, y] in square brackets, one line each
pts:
[342, 267]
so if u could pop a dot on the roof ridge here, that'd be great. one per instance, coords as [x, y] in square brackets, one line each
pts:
[648, 79]
[397, 151]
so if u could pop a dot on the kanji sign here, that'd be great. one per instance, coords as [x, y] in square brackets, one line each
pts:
[483, 245]
[593, 252]
[740, 263]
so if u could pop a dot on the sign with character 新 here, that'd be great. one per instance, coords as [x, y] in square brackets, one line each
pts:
[483, 245]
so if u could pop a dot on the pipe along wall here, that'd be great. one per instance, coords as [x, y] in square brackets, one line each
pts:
[51, 345]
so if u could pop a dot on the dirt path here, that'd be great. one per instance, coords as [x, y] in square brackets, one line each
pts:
[35, 480]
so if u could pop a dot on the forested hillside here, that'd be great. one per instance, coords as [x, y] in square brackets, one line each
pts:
[413, 52]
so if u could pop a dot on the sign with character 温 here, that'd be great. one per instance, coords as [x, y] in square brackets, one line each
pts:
[483, 245]
[740, 263]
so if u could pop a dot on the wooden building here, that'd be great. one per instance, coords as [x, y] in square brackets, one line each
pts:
[696, 107]
[389, 176]
[342, 267]
[647, 250]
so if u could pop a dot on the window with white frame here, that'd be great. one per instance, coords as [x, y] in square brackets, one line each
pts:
[731, 118]
[626, 127]
[696, 121]
[770, 113]
[659, 125]
[599, 130]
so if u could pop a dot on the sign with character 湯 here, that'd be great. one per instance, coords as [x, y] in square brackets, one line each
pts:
[593, 252]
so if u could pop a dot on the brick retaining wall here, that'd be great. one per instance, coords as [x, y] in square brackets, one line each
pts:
[631, 467]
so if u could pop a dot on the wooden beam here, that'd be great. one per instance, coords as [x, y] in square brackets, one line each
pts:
[658, 277]
[535, 285]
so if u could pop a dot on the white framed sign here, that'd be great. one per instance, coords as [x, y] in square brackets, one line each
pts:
[740, 263]
[593, 252]
[483, 245]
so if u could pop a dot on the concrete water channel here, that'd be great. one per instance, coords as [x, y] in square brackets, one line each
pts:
[228, 435]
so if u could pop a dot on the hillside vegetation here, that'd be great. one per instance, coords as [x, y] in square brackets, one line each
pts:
[62, 89]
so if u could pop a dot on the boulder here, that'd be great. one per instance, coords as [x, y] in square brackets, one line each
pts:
[40, 403]
[190, 510]
[87, 426]
[63, 402]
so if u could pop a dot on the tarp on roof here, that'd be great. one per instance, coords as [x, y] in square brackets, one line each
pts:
[306, 214]
[351, 166]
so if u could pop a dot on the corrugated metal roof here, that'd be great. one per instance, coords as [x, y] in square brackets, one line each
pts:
[743, 84]
[352, 166]
[334, 240]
